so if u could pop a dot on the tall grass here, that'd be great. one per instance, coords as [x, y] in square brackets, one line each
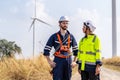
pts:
[12, 69]
[113, 63]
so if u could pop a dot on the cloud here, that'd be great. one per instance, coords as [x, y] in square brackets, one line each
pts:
[84, 14]
[14, 10]
[0, 20]
[80, 16]
[40, 8]
[40, 11]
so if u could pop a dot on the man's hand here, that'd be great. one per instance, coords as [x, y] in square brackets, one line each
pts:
[73, 64]
[52, 64]
[79, 71]
[97, 71]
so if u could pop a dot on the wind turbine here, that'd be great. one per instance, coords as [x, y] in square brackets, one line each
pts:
[114, 29]
[33, 26]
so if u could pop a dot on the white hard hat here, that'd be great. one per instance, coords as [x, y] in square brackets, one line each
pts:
[90, 25]
[63, 18]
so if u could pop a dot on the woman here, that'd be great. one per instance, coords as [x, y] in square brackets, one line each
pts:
[89, 54]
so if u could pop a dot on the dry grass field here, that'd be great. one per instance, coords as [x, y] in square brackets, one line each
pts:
[26, 69]
[112, 63]
[39, 69]
[12, 69]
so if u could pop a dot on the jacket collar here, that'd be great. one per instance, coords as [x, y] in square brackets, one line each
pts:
[65, 33]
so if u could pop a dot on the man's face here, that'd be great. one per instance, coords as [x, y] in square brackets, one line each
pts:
[64, 25]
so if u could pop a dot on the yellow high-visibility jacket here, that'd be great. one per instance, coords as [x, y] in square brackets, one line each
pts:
[89, 53]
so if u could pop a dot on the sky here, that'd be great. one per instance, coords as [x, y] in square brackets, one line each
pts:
[16, 18]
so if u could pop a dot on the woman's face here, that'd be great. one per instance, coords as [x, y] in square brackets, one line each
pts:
[84, 29]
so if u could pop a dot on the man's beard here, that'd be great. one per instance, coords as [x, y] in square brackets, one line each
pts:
[64, 28]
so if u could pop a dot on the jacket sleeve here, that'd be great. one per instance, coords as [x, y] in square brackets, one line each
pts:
[74, 46]
[48, 46]
[98, 51]
[78, 55]
[79, 52]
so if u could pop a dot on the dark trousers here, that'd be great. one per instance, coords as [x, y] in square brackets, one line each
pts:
[63, 70]
[89, 76]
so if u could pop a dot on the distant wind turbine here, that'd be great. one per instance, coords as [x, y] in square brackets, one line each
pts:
[33, 25]
[114, 29]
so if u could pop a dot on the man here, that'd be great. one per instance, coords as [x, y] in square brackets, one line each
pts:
[62, 41]
[89, 53]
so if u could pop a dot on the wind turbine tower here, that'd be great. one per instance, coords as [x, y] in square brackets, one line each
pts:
[114, 32]
[33, 26]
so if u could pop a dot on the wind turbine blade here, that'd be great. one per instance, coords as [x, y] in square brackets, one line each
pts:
[32, 24]
[43, 22]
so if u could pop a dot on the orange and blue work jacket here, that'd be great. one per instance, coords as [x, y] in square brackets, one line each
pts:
[54, 41]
